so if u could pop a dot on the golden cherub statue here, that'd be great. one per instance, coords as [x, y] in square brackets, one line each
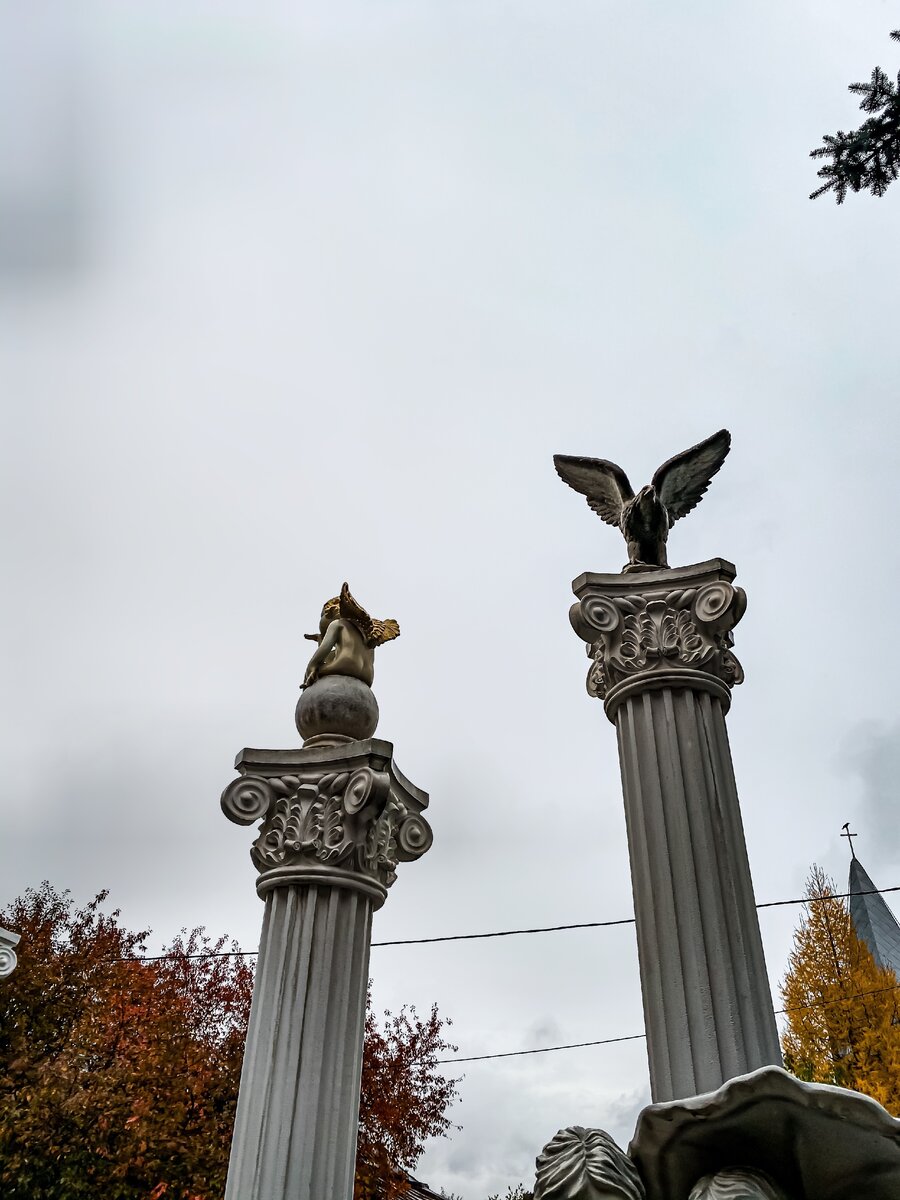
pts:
[347, 639]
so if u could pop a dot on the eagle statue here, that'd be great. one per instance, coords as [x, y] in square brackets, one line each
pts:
[646, 518]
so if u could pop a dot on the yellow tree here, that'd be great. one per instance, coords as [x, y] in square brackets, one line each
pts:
[843, 1020]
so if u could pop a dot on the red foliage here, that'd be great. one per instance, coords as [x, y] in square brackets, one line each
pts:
[119, 1078]
[403, 1101]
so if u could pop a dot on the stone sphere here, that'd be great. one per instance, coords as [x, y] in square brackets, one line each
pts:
[337, 704]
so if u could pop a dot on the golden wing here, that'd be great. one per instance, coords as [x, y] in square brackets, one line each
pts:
[382, 631]
[374, 632]
[352, 610]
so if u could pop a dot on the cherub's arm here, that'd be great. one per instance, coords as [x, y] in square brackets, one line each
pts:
[325, 647]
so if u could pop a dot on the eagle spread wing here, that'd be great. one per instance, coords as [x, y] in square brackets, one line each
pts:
[682, 481]
[604, 484]
[374, 632]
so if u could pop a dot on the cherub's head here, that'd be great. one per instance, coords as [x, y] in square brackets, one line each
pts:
[331, 610]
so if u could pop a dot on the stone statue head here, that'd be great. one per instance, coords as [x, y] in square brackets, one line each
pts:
[737, 1183]
[586, 1164]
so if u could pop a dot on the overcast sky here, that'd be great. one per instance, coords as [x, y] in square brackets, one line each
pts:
[298, 293]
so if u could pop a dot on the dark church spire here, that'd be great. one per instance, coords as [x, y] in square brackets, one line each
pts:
[875, 924]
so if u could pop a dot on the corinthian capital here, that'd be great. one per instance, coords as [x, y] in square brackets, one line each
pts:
[341, 815]
[659, 629]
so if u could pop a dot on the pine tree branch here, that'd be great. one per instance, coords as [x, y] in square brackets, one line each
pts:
[868, 158]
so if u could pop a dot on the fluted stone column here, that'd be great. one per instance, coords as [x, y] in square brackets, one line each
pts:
[337, 818]
[8, 960]
[661, 660]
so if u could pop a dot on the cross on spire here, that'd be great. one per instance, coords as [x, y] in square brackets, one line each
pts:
[849, 836]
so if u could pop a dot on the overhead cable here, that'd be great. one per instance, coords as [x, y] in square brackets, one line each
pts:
[631, 1037]
[466, 937]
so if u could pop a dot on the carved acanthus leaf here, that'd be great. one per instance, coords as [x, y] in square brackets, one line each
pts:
[689, 628]
[347, 818]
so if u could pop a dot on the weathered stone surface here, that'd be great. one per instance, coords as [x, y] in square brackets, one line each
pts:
[660, 629]
[336, 822]
[661, 652]
[337, 705]
[342, 815]
[585, 1164]
[814, 1141]
[8, 943]
[763, 1136]
[295, 1129]
[738, 1183]
[707, 1006]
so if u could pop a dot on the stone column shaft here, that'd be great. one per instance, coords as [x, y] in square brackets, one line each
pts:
[336, 820]
[707, 1008]
[660, 648]
[295, 1131]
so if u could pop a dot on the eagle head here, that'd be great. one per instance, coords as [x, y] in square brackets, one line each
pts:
[646, 500]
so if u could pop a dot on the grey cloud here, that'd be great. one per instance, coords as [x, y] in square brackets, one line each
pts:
[872, 753]
[354, 274]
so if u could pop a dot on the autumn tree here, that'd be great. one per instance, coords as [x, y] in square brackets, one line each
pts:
[404, 1100]
[841, 1007]
[119, 1076]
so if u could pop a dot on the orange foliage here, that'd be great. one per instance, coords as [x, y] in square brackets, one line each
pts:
[403, 1101]
[119, 1078]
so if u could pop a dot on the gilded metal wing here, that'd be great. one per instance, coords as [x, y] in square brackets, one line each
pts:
[352, 610]
[382, 631]
[682, 481]
[604, 484]
[374, 632]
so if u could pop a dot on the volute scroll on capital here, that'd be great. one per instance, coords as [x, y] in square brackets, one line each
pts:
[8, 959]
[350, 822]
[645, 632]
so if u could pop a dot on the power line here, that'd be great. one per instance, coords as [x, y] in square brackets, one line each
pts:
[636, 1036]
[462, 937]
[893, 987]
[631, 1037]
[830, 896]
[448, 937]
[466, 937]
[553, 929]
